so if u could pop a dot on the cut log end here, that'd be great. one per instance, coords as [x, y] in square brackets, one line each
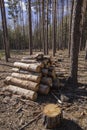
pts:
[47, 81]
[52, 110]
[44, 89]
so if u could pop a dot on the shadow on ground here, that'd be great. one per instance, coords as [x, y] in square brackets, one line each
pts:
[68, 125]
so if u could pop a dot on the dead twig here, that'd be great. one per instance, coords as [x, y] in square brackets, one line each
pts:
[29, 102]
[37, 117]
[19, 109]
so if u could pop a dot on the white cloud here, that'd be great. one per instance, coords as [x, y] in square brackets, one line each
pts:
[23, 6]
[5, 0]
[32, 8]
[6, 5]
[21, 3]
[65, 9]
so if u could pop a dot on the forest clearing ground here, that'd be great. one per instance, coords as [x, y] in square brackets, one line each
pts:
[15, 111]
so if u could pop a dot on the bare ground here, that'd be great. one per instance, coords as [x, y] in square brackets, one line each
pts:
[15, 111]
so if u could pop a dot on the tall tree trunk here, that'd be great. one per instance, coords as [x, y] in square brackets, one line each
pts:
[5, 31]
[23, 27]
[62, 1]
[86, 51]
[30, 27]
[60, 30]
[66, 26]
[50, 38]
[70, 26]
[58, 38]
[39, 2]
[43, 29]
[83, 25]
[47, 27]
[54, 28]
[75, 39]
[37, 9]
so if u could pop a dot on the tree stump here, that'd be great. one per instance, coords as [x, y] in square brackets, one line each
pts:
[52, 116]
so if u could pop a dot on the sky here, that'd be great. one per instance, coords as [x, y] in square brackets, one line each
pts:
[6, 7]
[24, 10]
[23, 5]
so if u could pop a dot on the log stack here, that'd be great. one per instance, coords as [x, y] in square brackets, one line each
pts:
[33, 74]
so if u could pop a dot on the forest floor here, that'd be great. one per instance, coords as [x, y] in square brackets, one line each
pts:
[15, 111]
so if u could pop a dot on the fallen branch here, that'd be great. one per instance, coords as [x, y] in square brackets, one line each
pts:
[37, 117]
[58, 100]
[32, 103]
[19, 109]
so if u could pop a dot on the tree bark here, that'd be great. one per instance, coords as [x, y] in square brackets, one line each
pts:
[83, 25]
[28, 67]
[66, 28]
[22, 83]
[86, 51]
[29, 77]
[52, 116]
[38, 56]
[18, 70]
[54, 27]
[41, 64]
[70, 27]
[47, 27]
[30, 27]
[75, 39]
[28, 94]
[39, 2]
[5, 31]
[43, 29]
[62, 2]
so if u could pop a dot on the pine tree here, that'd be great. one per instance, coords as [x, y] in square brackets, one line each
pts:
[30, 27]
[13, 11]
[43, 28]
[54, 27]
[75, 39]
[70, 26]
[5, 31]
[47, 27]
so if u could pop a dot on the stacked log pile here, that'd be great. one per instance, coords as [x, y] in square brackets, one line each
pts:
[33, 74]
